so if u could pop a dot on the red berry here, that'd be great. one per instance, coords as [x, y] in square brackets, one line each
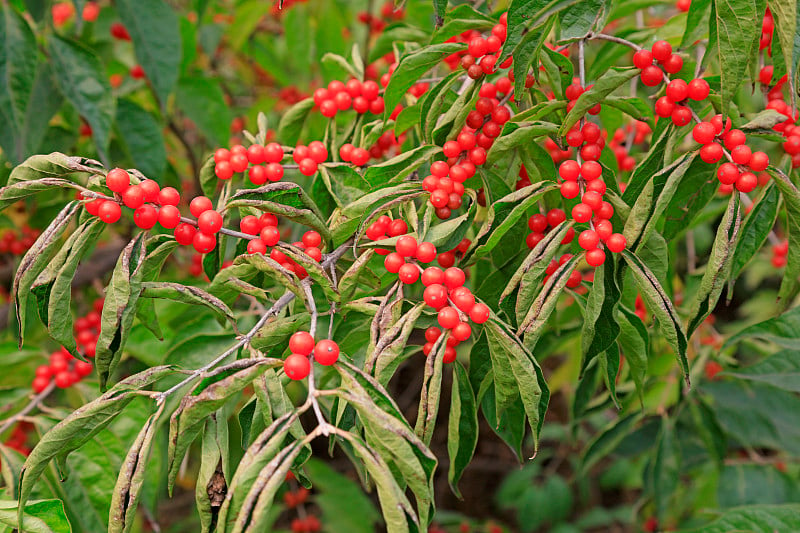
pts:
[145, 217]
[454, 277]
[109, 212]
[463, 298]
[118, 180]
[406, 246]
[326, 352]
[169, 196]
[317, 152]
[204, 243]
[256, 246]
[673, 64]
[270, 235]
[209, 222]
[184, 234]
[698, 89]
[677, 90]
[652, 76]
[741, 154]
[448, 317]
[393, 262]
[312, 239]
[63, 379]
[661, 50]
[273, 153]
[297, 366]
[432, 276]
[408, 273]
[747, 182]
[616, 243]
[711, 152]
[664, 107]
[570, 189]
[681, 116]
[642, 58]
[759, 161]
[595, 257]
[133, 197]
[581, 213]
[250, 224]
[703, 132]
[40, 384]
[462, 331]
[199, 205]
[727, 173]
[479, 313]
[734, 138]
[426, 252]
[435, 295]
[301, 342]
[588, 239]
[537, 223]
[569, 170]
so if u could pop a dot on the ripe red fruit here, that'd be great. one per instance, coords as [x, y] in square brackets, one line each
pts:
[239, 163]
[270, 235]
[317, 151]
[448, 317]
[408, 273]
[555, 217]
[432, 333]
[537, 223]
[133, 197]
[432, 276]
[454, 277]
[118, 180]
[451, 149]
[664, 107]
[463, 298]
[145, 217]
[479, 313]
[326, 352]
[209, 222]
[462, 331]
[642, 58]
[595, 257]
[296, 366]
[759, 161]
[727, 173]
[570, 189]
[681, 116]
[591, 170]
[661, 50]
[199, 205]
[307, 166]
[569, 170]
[360, 157]
[204, 243]
[256, 246]
[677, 90]
[593, 200]
[63, 379]
[435, 295]
[741, 154]
[581, 213]
[426, 252]
[40, 384]
[312, 239]
[169, 196]
[109, 212]
[652, 76]
[711, 152]
[734, 138]
[393, 262]
[588, 239]
[406, 246]
[747, 182]
[184, 234]
[698, 89]
[703, 132]
[301, 342]
[673, 64]
[250, 224]
[616, 243]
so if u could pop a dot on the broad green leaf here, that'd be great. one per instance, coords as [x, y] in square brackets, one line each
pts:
[153, 27]
[515, 367]
[526, 14]
[462, 426]
[661, 306]
[399, 167]
[781, 370]
[517, 134]
[292, 120]
[211, 485]
[783, 330]
[433, 103]
[785, 14]
[734, 27]
[430, 395]
[755, 519]
[81, 77]
[186, 294]
[790, 286]
[652, 163]
[696, 25]
[18, 57]
[42, 516]
[698, 186]
[578, 20]
[604, 86]
[607, 439]
[142, 137]
[390, 350]
[411, 68]
[634, 343]
[203, 102]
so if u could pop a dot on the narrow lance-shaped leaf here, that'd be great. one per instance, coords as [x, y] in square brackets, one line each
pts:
[783, 330]
[211, 485]
[790, 285]
[187, 294]
[545, 302]
[718, 268]
[733, 26]
[600, 327]
[431, 391]
[462, 426]
[660, 305]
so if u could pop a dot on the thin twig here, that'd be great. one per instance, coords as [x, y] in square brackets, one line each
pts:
[312, 309]
[614, 39]
[35, 401]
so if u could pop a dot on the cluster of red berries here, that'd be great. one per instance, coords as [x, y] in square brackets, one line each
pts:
[294, 498]
[572, 93]
[386, 144]
[297, 365]
[362, 97]
[482, 53]
[18, 242]
[779, 252]
[262, 163]
[18, 440]
[388, 15]
[309, 524]
[587, 140]
[661, 51]
[640, 131]
[556, 154]
[739, 171]
[407, 248]
[383, 228]
[310, 244]
[673, 103]
[63, 11]
[767, 27]
[575, 277]
[540, 224]
[63, 368]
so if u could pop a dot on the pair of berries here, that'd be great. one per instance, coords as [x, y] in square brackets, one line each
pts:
[297, 365]
[779, 252]
[362, 97]
[618, 145]
[572, 93]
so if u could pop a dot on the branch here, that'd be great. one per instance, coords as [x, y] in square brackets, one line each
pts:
[33, 404]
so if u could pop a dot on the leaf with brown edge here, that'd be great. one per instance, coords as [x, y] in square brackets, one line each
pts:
[125, 497]
[187, 421]
[313, 269]
[544, 304]
[35, 260]
[431, 390]
[211, 486]
[661, 306]
[81, 426]
[392, 347]
[358, 273]
[178, 292]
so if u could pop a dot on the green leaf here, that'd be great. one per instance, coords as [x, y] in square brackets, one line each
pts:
[35, 260]
[343, 504]
[697, 188]
[578, 20]
[517, 134]
[53, 286]
[780, 370]
[121, 299]
[388, 351]
[652, 163]
[153, 27]
[607, 439]
[18, 57]
[203, 101]
[526, 54]
[439, 9]
[411, 68]
[635, 346]
[344, 183]
[42, 516]
[660, 305]
[433, 103]
[81, 77]
[462, 426]
[783, 330]
[600, 327]
[187, 294]
[358, 273]
[528, 14]
[734, 26]
[785, 14]
[545, 303]
[399, 167]
[291, 123]
[718, 269]
[187, 421]
[790, 286]
[211, 485]
[81, 426]
[606, 84]
[142, 137]
[696, 26]
[460, 19]
[755, 519]
[284, 199]
[516, 370]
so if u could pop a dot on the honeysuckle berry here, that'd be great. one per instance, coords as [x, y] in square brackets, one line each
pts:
[296, 366]
[118, 180]
[109, 212]
[326, 352]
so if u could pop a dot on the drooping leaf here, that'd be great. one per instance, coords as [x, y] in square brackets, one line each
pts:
[783, 330]
[462, 427]
[790, 286]
[734, 28]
